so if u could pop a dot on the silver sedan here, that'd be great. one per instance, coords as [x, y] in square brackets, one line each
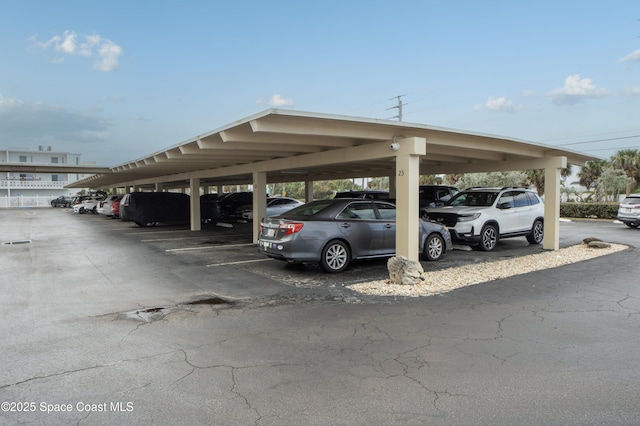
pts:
[334, 232]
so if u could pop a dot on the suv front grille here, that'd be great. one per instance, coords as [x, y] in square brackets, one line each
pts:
[447, 219]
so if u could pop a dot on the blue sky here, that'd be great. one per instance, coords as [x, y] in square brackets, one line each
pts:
[119, 80]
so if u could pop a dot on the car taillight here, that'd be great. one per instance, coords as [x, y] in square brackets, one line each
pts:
[291, 227]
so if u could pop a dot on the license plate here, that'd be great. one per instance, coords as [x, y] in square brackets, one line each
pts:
[270, 232]
[265, 244]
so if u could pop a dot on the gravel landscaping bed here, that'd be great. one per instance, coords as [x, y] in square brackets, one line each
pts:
[438, 282]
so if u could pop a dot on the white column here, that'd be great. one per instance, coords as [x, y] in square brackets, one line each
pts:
[259, 201]
[194, 189]
[392, 185]
[552, 203]
[308, 191]
[407, 178]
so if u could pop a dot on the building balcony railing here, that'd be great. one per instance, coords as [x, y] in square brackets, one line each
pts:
[32, 184]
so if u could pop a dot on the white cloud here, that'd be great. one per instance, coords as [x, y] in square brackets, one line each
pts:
[632, 91]
[497, 104]
[633, 56]
[277, 101]
[106, 52]
[576, 90]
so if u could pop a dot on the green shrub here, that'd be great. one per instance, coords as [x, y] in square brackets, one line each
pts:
[589, 210]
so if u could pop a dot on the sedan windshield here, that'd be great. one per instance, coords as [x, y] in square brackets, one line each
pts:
[473, 198]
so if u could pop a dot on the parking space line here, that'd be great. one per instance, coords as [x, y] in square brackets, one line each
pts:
[175, 239]
[189, 249]
[237, 263]
[155, 232]
[210, 247]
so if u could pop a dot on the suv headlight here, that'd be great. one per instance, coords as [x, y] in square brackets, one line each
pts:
[469, 218]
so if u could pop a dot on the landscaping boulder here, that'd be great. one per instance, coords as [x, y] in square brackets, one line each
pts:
[598, 245]
[404, 271]
[590, 239]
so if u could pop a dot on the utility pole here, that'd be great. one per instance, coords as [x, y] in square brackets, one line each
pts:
[399, 106]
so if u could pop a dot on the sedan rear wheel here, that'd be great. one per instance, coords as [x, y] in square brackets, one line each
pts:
[335, 257]
[433, 247]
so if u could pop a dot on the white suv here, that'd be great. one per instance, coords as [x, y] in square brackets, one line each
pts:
[629, 211]
[481, 216]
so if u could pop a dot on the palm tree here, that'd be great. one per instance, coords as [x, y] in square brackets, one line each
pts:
[628, 160]
[536, 177]
[590, 172]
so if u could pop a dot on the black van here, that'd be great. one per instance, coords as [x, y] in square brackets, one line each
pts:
[150, 208]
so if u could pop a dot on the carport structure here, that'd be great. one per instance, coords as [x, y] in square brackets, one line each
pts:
[277, 146]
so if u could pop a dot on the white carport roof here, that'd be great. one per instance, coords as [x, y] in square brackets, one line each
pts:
[293, 146]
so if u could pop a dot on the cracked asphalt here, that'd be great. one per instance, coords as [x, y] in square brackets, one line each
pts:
[101, 326]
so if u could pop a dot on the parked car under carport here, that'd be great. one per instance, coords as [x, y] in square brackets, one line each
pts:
[334, 232]
[151, 208]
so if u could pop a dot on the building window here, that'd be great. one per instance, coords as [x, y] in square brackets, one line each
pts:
[54, 178]
[23, 158]
[54, 160]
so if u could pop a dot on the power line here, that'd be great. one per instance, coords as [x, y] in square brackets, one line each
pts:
[609, 149]
[599, 140]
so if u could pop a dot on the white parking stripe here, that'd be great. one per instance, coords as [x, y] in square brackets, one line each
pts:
[237, 263]
[210, 247]
[189, 249]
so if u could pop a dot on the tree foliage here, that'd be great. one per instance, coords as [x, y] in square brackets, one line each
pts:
[611, 183]
[628, 160]
[492, 179]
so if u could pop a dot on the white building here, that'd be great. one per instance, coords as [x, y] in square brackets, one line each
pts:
[24, 187]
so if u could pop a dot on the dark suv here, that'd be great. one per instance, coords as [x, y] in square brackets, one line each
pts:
[434, 195]
[369, 194]
[224, 206]
[62, 201]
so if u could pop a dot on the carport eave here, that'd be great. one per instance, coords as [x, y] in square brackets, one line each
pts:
[295, 134]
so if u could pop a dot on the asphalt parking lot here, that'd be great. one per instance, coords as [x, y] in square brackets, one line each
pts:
[108, 323]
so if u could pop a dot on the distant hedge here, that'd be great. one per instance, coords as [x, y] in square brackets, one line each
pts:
[589, 210]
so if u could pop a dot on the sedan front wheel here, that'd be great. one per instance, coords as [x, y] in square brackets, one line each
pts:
[433, 247]
[335, 257]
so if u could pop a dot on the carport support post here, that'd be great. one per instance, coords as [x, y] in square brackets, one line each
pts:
[552, 203]
[194, 191]
[259, 201]
[392, 185]
[407, 178]
[308, 191]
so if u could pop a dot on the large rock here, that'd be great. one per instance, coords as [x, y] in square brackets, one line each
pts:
[590, 240]
[404, 271]
[598, 245]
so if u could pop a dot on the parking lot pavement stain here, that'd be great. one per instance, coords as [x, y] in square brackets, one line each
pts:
[11, 243]
[210, 301]
[158, 313]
